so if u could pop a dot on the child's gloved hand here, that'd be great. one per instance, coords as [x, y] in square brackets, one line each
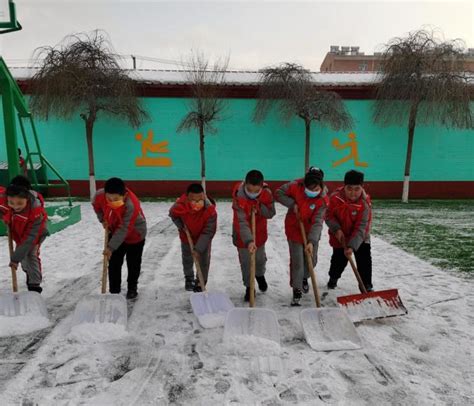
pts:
[340, 236]
[252, 247]
[196, 255]
[13, 265]
[296, 211]
[108, 253]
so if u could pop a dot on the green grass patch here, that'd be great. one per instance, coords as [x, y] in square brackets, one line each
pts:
[439, 231]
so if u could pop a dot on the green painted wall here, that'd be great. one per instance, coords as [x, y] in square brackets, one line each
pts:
[239, 145]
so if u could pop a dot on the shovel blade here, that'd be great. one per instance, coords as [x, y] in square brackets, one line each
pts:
[329, 329]
[22, 304]
[372, 305]
[101, 308]
[258, 324]
[211, 308]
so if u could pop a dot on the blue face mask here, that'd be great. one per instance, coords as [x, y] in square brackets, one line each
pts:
[311, 194]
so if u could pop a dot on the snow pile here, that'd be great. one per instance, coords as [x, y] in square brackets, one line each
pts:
[97, 332]
[56, 218]
[250, 345]
[16, 325]
[212, 320]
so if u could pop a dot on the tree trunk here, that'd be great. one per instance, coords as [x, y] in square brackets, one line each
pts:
[90, 153]
[307, 124]
[203, 158]
[411, 133]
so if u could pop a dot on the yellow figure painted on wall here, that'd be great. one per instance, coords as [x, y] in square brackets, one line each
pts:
[155, 148]
[354, 152]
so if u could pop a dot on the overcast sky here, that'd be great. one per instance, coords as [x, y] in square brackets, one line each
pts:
[254, 33]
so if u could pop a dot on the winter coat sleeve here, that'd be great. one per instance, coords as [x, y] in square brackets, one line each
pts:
[33, 234]
[127, 225]
[207, 234]
[283, 197]
[267, 204]
[175, 217]
[244, 227]
[331, 220]
[361, 227]
[315, 232]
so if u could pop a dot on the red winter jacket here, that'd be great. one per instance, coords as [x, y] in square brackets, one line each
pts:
[126, 224]
[311, 211]
[201, 224]
[28, 227]
[242, 205]
[353, 218]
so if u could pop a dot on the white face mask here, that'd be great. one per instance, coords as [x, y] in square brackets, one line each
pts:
[252, 196]
[311, 193]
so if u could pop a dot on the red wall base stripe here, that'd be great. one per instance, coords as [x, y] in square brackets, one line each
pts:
[378, 190]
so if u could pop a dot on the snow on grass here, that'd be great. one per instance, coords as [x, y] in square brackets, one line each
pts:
[439, 231]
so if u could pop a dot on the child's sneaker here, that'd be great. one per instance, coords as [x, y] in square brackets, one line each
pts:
[189, 283]
[305, 286]
[332, 284]
[296, 297]
[262, 283]
[132, 294]
[35, 288]
[197, 286]
[247, 294]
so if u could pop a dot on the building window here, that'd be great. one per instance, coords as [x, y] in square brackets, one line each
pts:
[363, 66]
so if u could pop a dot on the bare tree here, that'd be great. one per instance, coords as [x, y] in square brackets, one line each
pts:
[82, 75]
[290, 89]
[422, 81]
[205, 107]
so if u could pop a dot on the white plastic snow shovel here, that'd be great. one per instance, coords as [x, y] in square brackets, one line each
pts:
[24, 303]
[327, 329]
[210, 308]
[104, 307]
[251, 326]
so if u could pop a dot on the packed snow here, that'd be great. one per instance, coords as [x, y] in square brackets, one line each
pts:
[24, 324]
[166, 357]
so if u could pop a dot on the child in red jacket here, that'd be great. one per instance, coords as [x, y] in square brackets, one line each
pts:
[306, 200]
[118, 209]
[252, 194]
[197, 213]
[22, 210]
[349, 219]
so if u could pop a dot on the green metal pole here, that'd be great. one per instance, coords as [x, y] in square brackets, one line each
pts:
[9, 119]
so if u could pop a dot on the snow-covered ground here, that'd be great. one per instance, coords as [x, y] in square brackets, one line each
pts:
[423, 358]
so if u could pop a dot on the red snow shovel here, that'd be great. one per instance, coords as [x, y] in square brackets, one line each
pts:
[371, 305]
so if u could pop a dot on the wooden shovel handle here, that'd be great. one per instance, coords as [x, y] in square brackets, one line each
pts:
[105, 262]
[253, 260]
[309, 263]
[13, 270]
[196, 263]
[357, 274]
